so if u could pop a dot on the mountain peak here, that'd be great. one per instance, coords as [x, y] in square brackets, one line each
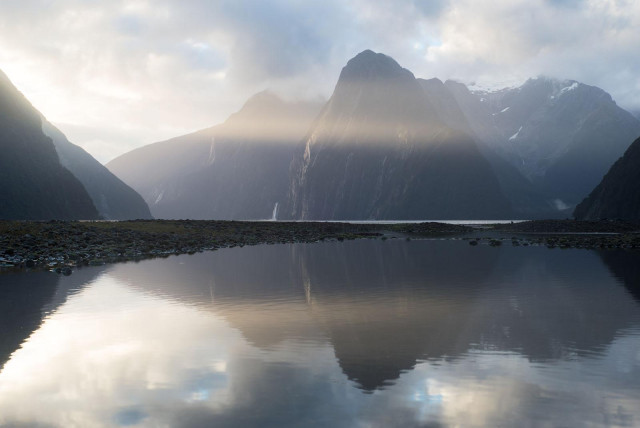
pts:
[369, 65]
[264, 100]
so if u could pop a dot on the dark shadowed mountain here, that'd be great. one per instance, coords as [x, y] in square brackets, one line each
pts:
[113, 199]
[22, 298]
[561, 135]
[379, 150]
[618, 194]
[35, 186]
[236, 170]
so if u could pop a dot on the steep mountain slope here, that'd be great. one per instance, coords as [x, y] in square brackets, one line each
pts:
[35, 186]
[450, 99]
[618, 194]
[562, 135]
[236, 170]
[379, 150]
[113, 199]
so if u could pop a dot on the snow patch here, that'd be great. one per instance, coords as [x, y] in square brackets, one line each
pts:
[501, 111]
[514, 136]
[573, 86]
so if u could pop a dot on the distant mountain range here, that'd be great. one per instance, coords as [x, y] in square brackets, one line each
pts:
[561, 135]
[44, 176]
[384, 146]
[389, 146]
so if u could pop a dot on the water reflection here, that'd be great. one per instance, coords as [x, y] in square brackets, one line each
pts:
[624, 266]
[386, 306]
[436, 333]
[26, 298]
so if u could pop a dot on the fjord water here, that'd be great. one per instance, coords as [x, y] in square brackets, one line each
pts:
[363, 333]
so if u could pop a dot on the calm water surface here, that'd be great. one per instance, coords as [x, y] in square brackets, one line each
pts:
[354, 334]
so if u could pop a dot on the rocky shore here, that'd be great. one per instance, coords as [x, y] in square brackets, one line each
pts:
[603, 234]
[61, 246]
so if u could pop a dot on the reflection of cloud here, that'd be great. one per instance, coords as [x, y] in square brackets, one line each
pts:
[113, 355]
[99, 358]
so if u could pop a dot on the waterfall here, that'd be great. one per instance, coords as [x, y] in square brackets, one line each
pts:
[212, 152]
[274, 216]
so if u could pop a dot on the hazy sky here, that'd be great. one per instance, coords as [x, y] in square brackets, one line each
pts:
[118, 74]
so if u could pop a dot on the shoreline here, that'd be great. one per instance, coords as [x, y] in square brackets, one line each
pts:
[62, 246]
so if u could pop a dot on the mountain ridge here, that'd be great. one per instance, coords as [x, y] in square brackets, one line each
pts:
[35, 185]
[544, 142]
[365, 156]
[234, 170]
[113, 199]
[617, 196]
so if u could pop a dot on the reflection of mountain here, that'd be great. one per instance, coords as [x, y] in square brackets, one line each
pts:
[625, 266]
[22, 297]
[255, 288]
[551, 304]
[26, 298]
[384, 306]
[387, 305]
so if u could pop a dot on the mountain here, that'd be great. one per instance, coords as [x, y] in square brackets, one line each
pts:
[562, 135]
[618, 194]
[113, 199]
[461, 110]
[390, 146]
[27, 299]
[236, 170]
[35, 186]
[379, 150]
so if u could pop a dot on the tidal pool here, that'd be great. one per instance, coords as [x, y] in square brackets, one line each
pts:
[365, 333]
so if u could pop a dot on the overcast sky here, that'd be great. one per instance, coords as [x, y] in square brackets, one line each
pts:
[117, 74]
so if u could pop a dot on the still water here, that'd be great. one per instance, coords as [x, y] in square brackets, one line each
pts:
[344, 334]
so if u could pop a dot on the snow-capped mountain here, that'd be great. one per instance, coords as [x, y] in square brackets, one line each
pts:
[561, 135]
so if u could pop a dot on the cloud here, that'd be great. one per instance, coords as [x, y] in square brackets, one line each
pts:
[148, 68]
[431, 8]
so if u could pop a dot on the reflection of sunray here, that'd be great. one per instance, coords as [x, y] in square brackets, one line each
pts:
[306, 278]
[307, 291]
[212, 287]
